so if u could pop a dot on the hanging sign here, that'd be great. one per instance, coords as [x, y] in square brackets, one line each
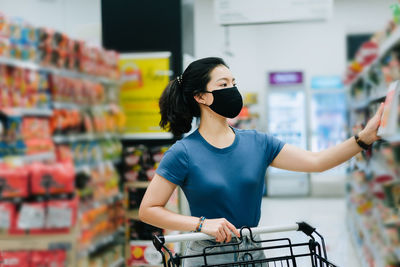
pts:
[286, 78]
[231, 12]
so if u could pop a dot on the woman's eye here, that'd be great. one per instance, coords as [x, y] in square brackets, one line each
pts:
[235, 84]
[224, 85]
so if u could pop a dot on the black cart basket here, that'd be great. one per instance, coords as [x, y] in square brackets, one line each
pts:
[313, 252]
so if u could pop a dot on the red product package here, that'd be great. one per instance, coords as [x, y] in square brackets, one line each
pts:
[13, 182]
[52, 179]
[53, 258]
[35, 146]
[57, 258]
[35, 128]
[64, 154]
[143, 253]
[15, 258]
[7, 216]
[61, 213]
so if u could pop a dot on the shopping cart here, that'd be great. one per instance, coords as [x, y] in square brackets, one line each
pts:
[312, 252]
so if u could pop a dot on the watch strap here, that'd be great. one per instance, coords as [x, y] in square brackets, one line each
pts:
[361, 143]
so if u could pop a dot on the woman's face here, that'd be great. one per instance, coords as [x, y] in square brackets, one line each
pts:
[221, 77]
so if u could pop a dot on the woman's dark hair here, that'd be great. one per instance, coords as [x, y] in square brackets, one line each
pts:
[177, 103]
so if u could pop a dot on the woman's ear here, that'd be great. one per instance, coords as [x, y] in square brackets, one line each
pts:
[200, 98]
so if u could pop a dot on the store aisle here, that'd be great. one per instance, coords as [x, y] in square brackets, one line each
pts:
[328, 215]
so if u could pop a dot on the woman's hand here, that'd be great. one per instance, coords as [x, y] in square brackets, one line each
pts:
[221, 229]
[369, 134]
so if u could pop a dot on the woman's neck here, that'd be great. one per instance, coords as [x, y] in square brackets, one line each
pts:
[216, 131]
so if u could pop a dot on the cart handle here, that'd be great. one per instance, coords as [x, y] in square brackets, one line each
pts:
[302, 226]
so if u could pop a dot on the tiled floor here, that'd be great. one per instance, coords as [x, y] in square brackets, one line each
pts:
[328, 215]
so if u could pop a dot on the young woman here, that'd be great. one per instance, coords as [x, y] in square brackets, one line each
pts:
[221, 169]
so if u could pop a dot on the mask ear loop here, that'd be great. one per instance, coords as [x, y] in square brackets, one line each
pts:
[203, 93]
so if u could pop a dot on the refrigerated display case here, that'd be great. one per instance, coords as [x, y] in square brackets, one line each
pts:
[328, 128]
[287, 122]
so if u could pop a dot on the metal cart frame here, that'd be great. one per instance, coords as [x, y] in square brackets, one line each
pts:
[316, 251]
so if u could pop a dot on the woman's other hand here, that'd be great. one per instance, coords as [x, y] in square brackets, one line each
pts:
[369, 134]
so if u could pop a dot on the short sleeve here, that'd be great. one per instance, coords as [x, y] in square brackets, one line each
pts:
[273, 146]
[174, 165]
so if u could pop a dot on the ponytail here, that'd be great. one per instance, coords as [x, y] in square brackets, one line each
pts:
[176, 116]
[177, 103]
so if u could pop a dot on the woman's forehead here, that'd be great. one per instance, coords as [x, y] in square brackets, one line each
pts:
[221, 72]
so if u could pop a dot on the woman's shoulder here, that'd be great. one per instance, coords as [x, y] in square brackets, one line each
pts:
[256, 136]
[182, 145]
[250, 133]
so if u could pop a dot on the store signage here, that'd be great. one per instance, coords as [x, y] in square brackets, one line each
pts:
[230, 12]
[285, 78]
[144, 77]
[326, 82]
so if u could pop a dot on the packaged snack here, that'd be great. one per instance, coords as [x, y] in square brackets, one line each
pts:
[4, 26]
[13, 182]
[4, 47]
[143, 253]
[16, 258]
[48, 258]
[52, 179]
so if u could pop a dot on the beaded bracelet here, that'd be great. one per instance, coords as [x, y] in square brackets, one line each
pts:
[200, 224]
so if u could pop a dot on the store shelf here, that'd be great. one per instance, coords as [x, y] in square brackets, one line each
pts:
[138, 184]
[74, 106]
[383, 49]
[88, 167]
[65, 105]
[392, 139]
[367, 241]
[113, 199]
[362, 104]
[26, 159]
[38, 112]
[397, 252]
[101, 243]
[57, 71]
[72, 138]
[39, 157]
[133, 214]
[147, 136]
[393, 39]
[118, 263]
[36, 241]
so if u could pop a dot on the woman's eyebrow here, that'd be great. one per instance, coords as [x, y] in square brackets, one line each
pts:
[226, 79]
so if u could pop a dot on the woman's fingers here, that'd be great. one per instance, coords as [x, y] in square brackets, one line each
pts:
[228, 234]
[233, 229]
[220, 228]
[222, 235]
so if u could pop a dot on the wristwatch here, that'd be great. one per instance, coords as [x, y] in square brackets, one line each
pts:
[361, 143]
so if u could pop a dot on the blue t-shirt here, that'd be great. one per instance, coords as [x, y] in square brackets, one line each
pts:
[222, 183]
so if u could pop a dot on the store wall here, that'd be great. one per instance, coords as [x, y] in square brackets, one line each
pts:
[317, 48]
[78, 18]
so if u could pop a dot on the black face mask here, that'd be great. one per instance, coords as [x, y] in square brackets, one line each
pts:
[227, 102]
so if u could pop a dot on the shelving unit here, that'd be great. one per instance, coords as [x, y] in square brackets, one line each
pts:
[366, 194]
[148, 148]
[43, 241]
[138, 184]
[62, 72]
[392, 40]
[36, 112]
[67, 241]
